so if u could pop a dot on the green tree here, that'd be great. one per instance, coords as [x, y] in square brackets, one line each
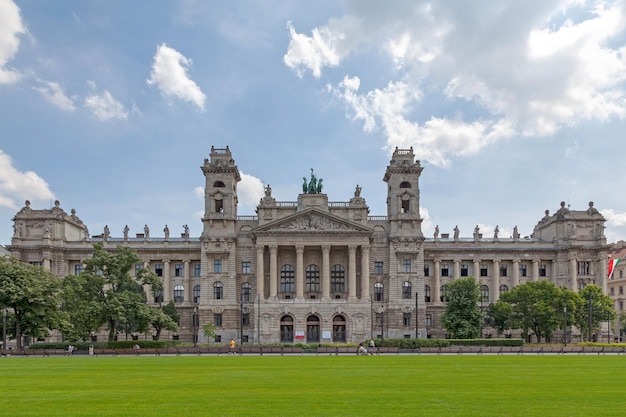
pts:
[462, 317]
[499, 316]
[537, 307]
[165, 318]
[31, 295]
[209, 330]
[111, 292]
[592, 303]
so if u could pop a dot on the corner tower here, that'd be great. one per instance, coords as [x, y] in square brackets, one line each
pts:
[220, 193]
[402, 178]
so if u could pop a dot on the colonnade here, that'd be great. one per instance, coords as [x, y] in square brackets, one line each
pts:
[300, 267]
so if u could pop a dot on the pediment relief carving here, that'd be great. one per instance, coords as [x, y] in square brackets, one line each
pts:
[314, 222]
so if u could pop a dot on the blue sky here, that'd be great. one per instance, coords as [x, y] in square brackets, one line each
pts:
[512, 107]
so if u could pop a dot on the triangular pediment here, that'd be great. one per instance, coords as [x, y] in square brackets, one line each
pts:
[312, 220]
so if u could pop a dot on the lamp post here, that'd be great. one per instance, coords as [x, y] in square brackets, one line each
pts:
[590, 312]
[416, 316]
[608, 327]
[564, 325]
[196, 323]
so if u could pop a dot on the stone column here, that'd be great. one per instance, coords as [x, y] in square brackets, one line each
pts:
[573, 271]
[326, 271]
[515, 272]
[365, 272]
[601, 280]
[534, 276]
[167, 284]
[476, 271]
[437, 289]
[352, 272]
[456, 269]
[260, 278]
[299, 271]
[273, 271]
[187, 280]
[495, 281]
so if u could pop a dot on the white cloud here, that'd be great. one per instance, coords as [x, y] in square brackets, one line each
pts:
[199, 192]
[54, 94]
[249, 192]
[521, 68]
[615, 224]
[11, 26]
[15, 184]
[169, 74]
[104, 106]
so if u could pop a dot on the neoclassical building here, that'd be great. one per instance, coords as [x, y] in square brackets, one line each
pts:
[319, 271]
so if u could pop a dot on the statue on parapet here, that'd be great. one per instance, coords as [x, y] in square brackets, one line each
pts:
[314, 185]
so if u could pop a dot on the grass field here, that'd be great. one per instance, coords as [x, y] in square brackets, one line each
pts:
[386, 385]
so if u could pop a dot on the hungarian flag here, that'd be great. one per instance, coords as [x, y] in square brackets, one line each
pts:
[612, 264]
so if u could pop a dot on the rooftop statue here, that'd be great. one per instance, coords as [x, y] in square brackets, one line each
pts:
[314, 186]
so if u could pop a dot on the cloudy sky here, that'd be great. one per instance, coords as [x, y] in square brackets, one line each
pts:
[512, 107]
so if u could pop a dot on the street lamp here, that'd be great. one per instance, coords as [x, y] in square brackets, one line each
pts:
[196, 324]
[416, 316]
[564, 325]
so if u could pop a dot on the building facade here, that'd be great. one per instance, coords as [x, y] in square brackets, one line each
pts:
[317, 271]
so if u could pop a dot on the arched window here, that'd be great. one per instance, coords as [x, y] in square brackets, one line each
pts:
[427, 293]
[218, 184]
[339, 329]
[405, 184]
[313, 329]
[503, 288]
[484, 294]
[245, 291]
[218, 290]
[378, 291]
[337, 279]
[196, 294]
[179, 293]
[286, 329]
[312, 278]
[158, 296]
[443, 296]
[287, 279]
[406, 290]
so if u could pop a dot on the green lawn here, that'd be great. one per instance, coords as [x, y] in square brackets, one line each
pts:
[385, 385]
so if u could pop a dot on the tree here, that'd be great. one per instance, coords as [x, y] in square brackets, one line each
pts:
[161, 320]
[462, 317]
[592, 306]
[538, 307]
[111, 293]
[209, 330]
[32, 296]
[499, 316]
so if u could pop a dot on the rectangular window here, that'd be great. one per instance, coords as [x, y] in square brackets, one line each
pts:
[445, 272]
[217, 319]
[78, 269]
[196, 270]
[379, 319]
[464, 270]
[621, 290]
[217, 265]
[584, 267]
[245, 267]
[620, 274]
[406, 265]
[218, 338]
[245, 319]
[484, 270]
[543, 270]
[429, 320]
[35, 263]
[621, 305]
[178, 270]
[158, 270]
[378, 267]
[612, 291]
[137, 268]
[522, 270]
[426, 270]
[503, 270]
[406, 319]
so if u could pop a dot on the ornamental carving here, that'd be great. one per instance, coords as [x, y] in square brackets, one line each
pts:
[313, 222]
